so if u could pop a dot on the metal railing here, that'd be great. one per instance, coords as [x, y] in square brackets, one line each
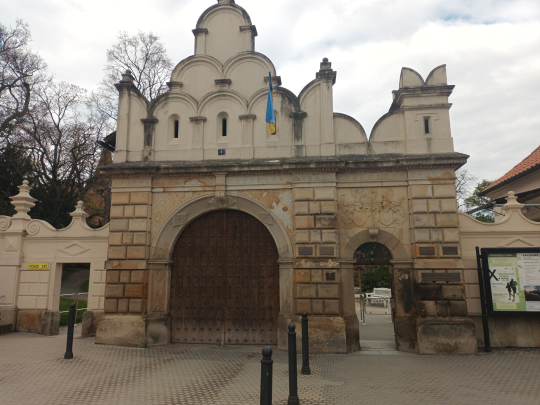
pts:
[366, 301]
[76, 302]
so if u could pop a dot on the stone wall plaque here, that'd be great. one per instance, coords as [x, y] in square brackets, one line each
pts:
[326, 251]
[450, 251]
[305, 251]
[434, 277]
[330, 276]
[426, 251]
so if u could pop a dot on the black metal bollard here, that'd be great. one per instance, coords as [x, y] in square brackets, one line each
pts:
[293, 370]
[306, 370]
[71, 326]
[266, 376]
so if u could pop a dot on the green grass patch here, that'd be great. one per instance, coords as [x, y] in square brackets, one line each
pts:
[64, 306]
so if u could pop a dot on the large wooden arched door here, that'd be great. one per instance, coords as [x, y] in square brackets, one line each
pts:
[225, 282]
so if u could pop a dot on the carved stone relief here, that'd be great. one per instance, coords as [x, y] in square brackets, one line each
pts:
[180, 220]
[223, 201]
[267, 219]
[375, 206]
[285, 290]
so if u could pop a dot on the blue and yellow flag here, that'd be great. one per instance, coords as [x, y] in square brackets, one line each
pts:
[270, 116]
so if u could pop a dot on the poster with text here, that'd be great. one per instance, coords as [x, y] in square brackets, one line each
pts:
[515, 281]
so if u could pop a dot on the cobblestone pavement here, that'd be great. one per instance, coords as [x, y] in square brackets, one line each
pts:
[32, 371]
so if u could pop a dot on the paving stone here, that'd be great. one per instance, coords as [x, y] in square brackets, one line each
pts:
[32, 371]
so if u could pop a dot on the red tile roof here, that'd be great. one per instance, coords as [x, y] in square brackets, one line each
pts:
[530, 162]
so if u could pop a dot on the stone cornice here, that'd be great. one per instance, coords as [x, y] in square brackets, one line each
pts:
[251, 28]
[342, 164]
[197, 119]
[198, 31]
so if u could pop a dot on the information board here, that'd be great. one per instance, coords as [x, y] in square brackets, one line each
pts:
[512, 277]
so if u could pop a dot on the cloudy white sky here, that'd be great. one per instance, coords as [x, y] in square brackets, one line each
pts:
[491, 48]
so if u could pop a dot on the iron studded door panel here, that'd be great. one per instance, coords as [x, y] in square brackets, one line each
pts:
[225, 282]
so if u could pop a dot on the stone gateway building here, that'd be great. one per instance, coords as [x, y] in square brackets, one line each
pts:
[221, 233]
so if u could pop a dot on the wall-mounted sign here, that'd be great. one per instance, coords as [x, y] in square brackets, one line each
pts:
[221, 152]
[512, 277]
[38, 266]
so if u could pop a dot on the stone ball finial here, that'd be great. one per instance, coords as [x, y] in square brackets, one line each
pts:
[128, 72]
[511, 194]
[325, 60]
[25, 183]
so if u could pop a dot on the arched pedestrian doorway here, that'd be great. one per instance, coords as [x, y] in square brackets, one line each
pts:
[374, 283]
[225, 281]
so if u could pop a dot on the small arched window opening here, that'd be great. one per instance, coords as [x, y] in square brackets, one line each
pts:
[224, 127]
[176, 128]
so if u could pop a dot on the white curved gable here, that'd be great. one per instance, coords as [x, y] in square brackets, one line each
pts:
[216, 107]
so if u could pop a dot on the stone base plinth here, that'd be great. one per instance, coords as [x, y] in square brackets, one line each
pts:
[326, 334]
[406, 334]
[446, 336]
[90, 323]
[8, 316]
[38, 321]
[122, 330]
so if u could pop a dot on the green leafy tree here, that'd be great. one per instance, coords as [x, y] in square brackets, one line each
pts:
[374, 277]
[476, 200]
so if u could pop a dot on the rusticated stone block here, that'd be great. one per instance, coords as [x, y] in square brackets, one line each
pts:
[424, 220]
[421, 191]
[302, 276]
[125, 277]
[316, 276]
[449, 205]
[141, 211]
[123, 306]
[426, 308]
[127, 239]
[324, 194]
[434, 206]
[114, 291]
[329, 236]
[120, 199]
[306, 291]
[301, 237]
[327, 291]
[139, 239]
[317, 307]
[137, 277]
[325, 221]
[136, 306]
[314, 207]
[304, 222]
[451, 235]
[421, 236]
[119, 225]
[447, 221]
[303, 306]
[136, 252]
[115, 239]
[111, 306]
[138, 225]
[436, 235]
[303, 194]
[331, 307]
[301, 208]
[419, 206]
[139, 198]
[453, 292]
[129, 211]
[116, 252]
[430, 292]
[443, 309]
[113, 277]
[315, 236]
[328, 207]
[135, 291]
[444, 191]
[458, 308]
[117, 212]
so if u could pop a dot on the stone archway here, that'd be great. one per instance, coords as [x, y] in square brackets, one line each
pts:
[165, 240]
[402, 263]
